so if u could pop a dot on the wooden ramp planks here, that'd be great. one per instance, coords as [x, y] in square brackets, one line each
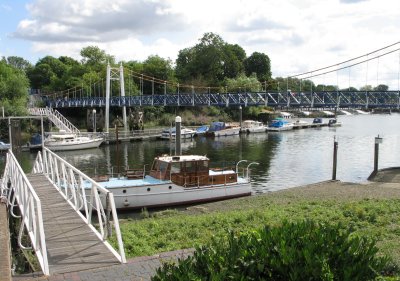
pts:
[71, 244]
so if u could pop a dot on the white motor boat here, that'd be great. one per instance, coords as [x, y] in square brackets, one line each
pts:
[59, 142]
[221, 129]
[251, 126]
[334, 123]
[280, 124]
[4, 146]
[171, 133]
[176, 180]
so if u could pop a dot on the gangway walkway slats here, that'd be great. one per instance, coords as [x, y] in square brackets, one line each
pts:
[71, 244]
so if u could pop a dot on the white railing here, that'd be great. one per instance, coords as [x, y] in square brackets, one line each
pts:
[30, 207]
[56, 117]
[75, 187]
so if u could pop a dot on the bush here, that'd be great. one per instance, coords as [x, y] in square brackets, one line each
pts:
[292, 251]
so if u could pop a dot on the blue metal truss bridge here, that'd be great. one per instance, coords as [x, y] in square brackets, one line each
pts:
[326, 99]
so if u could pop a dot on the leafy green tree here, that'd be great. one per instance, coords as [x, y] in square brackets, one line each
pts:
[40, 76]
[56, 66]
[13, 89]
[381, 87]
[234, 58]
[93, 56]
[18, 62]
[259, 64]
[366, 88]
[210, 61]
[243, 84]
[159, 68]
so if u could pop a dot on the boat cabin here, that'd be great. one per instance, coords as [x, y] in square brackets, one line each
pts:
[190, 170]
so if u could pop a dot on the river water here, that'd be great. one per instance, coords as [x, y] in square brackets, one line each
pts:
[286, 159]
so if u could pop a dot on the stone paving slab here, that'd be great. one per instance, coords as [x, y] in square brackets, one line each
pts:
[136, 269]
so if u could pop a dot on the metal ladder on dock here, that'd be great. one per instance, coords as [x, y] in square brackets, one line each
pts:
[58, 217]
[56, 117]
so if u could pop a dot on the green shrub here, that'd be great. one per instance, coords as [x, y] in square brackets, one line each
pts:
[293, 251]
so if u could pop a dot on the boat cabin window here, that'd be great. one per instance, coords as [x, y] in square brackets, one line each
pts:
[202, 166]
[190, 167]
[175, 168]
[160, 166]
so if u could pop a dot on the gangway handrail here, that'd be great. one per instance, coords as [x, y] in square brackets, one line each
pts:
[56, 117]
[71, 183]
[29, 205]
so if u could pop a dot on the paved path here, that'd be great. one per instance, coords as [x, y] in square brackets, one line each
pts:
[5, 267]
[137, 269]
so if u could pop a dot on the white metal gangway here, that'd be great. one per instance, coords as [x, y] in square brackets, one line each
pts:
[58, 213]
[56, 117]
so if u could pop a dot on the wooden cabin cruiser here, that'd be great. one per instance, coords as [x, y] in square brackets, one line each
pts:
[176, 180]
[251, 126]
[59, 142]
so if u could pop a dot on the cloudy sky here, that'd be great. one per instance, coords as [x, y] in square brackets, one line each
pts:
[297, 35]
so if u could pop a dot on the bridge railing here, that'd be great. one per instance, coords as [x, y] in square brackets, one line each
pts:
[22, 194]
[90, 200]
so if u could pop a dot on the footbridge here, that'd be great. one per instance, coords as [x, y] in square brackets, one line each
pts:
[326, 99]
[68, 226]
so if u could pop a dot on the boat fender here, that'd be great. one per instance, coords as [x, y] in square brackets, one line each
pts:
[126, 203]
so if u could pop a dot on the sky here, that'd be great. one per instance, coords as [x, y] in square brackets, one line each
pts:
[297, 35]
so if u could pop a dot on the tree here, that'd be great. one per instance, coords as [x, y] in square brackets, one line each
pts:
[94, 56]
[56, 66]
[381, 87]
[259, 64]
[160, 69]
[13, 89]
[210, 61]
[18, 62]
[40, 76]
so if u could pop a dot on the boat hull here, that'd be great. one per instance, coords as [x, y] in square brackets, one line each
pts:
[74, 146]
[279, 129]
[224, 132]
[170, 194]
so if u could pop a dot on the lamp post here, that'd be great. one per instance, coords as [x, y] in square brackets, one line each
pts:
[94, 120]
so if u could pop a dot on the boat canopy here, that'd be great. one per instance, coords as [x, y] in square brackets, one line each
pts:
[217, 126]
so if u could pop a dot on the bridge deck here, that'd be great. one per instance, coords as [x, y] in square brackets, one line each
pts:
[71, 244]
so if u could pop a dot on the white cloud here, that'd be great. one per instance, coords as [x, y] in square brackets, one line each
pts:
[298, 36]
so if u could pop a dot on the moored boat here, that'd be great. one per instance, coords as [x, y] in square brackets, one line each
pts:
[176, 180]
[171, 133]
[4, 146]
[219, 129]
[251, 126]
[280, 124]
[334, 123]
[59, 142]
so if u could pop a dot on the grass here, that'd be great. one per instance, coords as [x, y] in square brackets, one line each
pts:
[172, 230]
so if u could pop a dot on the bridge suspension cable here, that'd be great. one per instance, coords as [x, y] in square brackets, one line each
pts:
[346, 61]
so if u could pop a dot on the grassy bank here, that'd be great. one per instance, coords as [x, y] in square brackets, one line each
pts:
[371, 210]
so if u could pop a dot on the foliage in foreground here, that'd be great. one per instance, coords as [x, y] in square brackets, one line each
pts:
[293, 251]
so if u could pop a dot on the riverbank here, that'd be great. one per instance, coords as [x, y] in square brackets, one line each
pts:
[369, 209]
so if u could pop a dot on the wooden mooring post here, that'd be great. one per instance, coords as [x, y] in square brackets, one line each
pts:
[378, 141]
[335, 150]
